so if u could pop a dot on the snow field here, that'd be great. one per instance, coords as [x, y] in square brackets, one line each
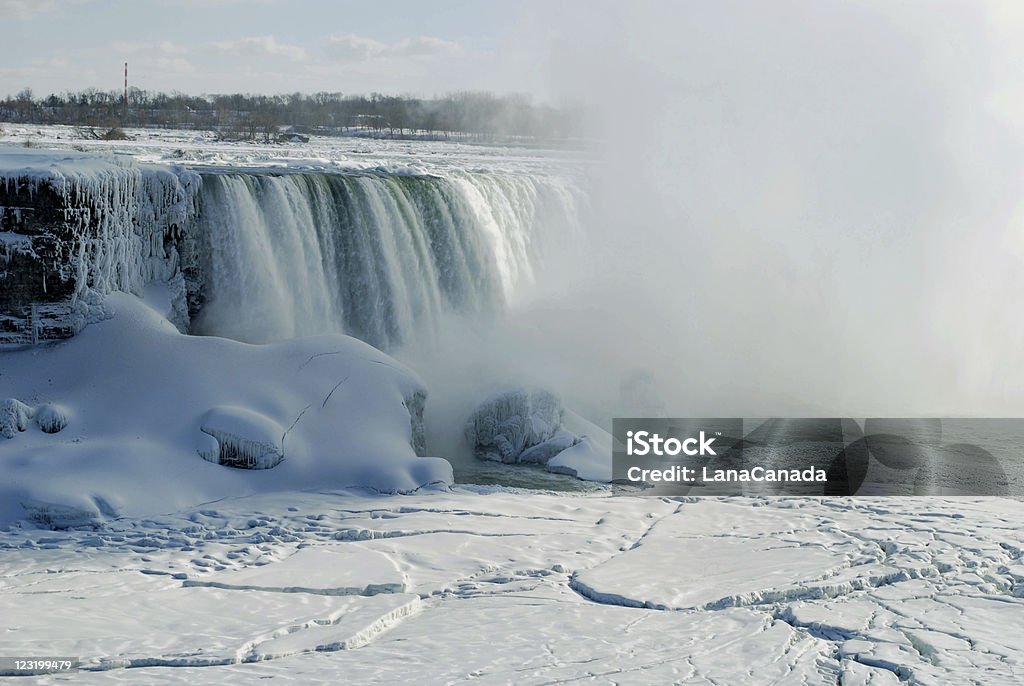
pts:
[496, 586]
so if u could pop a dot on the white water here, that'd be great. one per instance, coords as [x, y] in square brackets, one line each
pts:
[380, 257]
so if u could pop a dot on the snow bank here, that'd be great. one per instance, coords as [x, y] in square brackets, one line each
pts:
[148, 403]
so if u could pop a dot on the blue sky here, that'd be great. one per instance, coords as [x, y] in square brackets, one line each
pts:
[273, 46]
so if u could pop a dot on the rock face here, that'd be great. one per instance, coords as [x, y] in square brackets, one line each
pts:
[30, 272]
[74, 227]
[416, 402]
[522, 425]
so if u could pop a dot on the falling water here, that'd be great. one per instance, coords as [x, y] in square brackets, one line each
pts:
[378, 256]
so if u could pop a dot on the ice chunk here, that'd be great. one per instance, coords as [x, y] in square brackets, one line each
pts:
[752, 565]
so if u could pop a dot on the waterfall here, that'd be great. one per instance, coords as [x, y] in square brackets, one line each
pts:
[377, 256]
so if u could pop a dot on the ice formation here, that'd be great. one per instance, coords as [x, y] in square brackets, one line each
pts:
[239, 437]
[510, 424]
[530, 426]
[255, 255]
[270, 254]
[78, 226]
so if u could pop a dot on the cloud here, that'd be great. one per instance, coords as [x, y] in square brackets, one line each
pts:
[427, 47]
[353, 48]
[26, 9]
[174, 65]
[262, 46]
[163, 47]
[53, 62]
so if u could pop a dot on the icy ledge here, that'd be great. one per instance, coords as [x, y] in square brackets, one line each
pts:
[161, 418]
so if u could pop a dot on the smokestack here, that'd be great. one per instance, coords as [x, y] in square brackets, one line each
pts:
[126, 84]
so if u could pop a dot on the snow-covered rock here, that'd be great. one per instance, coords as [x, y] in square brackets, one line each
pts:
[508, 424]
[142, 394]
[530, 426]
[14, 417]
[589, 459]
[51, 418]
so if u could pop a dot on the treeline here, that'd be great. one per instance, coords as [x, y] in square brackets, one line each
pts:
[461, 115]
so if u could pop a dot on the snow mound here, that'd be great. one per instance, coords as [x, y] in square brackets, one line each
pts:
[333, 411]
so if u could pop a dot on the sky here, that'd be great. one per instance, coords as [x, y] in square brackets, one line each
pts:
[273, 46]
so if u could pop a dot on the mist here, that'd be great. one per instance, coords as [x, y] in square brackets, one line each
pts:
[799, 208]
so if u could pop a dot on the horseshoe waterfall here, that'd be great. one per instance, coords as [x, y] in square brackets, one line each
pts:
[261, 256]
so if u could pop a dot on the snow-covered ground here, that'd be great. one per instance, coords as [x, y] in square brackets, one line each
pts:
[330, 153]
[497, 587]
